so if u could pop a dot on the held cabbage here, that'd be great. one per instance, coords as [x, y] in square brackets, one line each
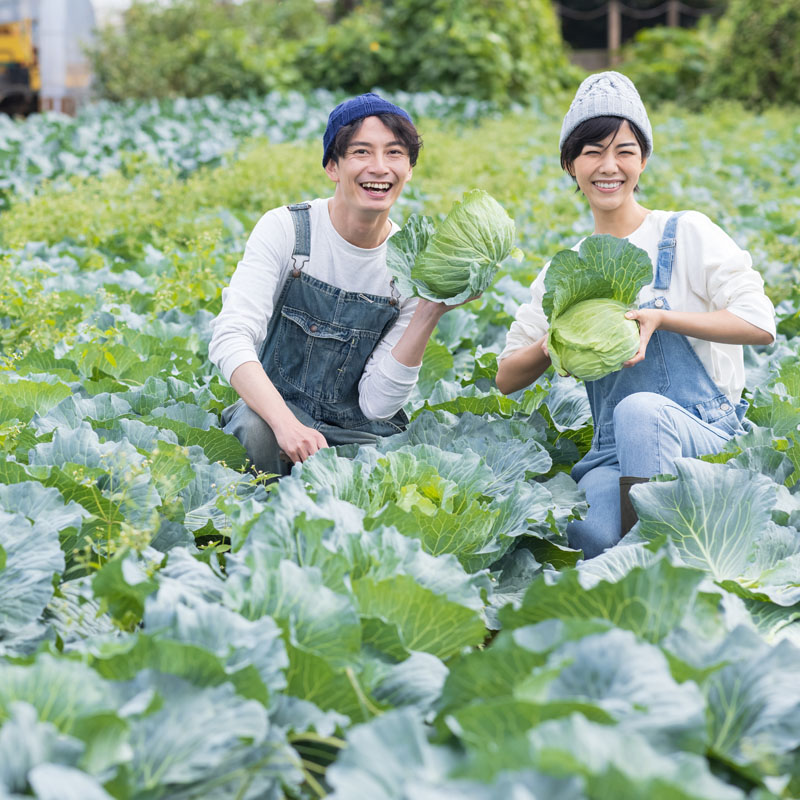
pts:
[459, 258]
[592, 339]
[586, 296]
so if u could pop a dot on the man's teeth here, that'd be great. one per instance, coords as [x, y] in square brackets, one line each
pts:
[383, 187]
[607, 185]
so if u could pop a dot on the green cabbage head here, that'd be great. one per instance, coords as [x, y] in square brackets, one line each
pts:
[586, 296]
[458, 258]
[592, 339]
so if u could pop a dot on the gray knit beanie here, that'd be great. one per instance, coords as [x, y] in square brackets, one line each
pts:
[607, 94]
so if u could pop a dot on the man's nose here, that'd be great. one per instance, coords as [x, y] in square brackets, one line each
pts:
[378, 163]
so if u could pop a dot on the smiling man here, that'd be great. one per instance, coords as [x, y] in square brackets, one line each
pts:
[314, 337]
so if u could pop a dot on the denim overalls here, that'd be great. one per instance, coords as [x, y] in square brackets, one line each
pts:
[319, 339]
[671, 371]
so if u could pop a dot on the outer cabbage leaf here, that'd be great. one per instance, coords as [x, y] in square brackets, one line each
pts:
[753, 701]
[457, 259]
[649, 600]
[390, 758]
[718, 519]
[31, 556]
[604, 266]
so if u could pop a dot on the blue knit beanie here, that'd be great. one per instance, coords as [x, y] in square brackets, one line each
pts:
[365, 105]
[607, 94]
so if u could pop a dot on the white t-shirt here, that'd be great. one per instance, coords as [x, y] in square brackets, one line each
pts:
[710, 272]
[247, 303]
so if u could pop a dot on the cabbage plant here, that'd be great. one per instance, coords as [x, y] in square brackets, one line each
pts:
[457, 259]
[586, 296]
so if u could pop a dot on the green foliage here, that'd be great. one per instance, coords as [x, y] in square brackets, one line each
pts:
[499, 50]
[669, 64]
[757, 59]
[347, 644]
[192, 48]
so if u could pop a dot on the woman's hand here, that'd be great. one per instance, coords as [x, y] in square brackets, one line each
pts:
[650, 320]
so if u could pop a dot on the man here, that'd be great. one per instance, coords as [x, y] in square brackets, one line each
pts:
[313, 335]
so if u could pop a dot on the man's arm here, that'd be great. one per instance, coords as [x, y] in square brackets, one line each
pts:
[391, 372]
[411, 347]
[257, 390]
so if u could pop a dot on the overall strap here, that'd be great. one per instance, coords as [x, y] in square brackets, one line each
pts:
[666, 253]
[301, 218]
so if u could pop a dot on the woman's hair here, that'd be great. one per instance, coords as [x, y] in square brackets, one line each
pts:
[399, 126]
[592, 131]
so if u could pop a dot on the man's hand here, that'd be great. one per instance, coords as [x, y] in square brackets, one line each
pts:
[298, 441]
[650, 320]
[411, 347]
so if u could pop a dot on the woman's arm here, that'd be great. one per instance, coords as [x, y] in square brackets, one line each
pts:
[713, 326]
[523, 367]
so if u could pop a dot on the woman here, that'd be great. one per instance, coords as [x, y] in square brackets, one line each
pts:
[680, 394]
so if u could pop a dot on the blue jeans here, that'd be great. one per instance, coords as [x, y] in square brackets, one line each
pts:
[650, 432]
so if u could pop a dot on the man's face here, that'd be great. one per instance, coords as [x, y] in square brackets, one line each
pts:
[373, 170]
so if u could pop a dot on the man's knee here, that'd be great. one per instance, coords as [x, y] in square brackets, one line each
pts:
[256, 437]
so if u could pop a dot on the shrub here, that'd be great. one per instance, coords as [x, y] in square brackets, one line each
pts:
[499, 50]
[199, 47]
[668, 64]
[757, 59]
[488, 49]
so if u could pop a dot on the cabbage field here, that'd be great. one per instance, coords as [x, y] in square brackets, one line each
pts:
[400, 623]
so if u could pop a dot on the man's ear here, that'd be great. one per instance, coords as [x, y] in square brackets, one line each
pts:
[332, 170]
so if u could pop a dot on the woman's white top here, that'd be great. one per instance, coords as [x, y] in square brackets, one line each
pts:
[247, 303]
[710, 272]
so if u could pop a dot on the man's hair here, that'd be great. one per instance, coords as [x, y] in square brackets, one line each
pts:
[404, 130]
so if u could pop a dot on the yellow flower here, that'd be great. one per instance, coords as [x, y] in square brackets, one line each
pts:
[374, 47]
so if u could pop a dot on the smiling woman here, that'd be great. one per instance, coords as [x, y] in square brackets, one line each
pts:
[680, 393]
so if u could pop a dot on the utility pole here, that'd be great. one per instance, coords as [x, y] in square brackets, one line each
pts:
[673, 13]
[614, 31]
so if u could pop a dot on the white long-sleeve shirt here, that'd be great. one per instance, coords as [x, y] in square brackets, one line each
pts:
[247, 303]
[710, 272]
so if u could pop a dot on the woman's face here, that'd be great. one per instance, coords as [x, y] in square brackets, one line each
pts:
[608, 171]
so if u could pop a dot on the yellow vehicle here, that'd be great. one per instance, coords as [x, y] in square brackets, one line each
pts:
[19, 68]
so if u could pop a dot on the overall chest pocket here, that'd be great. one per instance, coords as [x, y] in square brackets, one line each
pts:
[314, 355]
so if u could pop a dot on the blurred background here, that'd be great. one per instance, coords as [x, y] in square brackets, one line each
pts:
[61, 54]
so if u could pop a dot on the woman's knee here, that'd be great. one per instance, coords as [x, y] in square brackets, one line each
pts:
[601, 528]
[635, 411]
